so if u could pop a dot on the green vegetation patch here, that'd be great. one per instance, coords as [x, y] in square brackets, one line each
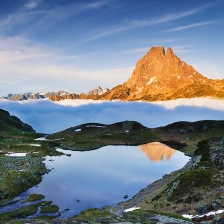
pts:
[19, 173]
[203, 151]
[45, 218]
[8, 201]
[50, 209]
[92, 214]
[12, 123]
[34, 197]
[191, 180]
[93, 136]
[23, 212]
[145, 216]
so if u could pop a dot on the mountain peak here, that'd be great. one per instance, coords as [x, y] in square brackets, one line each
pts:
[161, 75]
[97, 91]
[160, 50]
[156, 64]
[169, 52]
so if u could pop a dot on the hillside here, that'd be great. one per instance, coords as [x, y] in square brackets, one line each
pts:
[12, 123]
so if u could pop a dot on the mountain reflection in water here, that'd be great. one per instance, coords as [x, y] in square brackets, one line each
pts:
[156, 151]
[102, 177]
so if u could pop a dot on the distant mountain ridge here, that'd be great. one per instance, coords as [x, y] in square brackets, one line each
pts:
[97, 90]
[42, 95]
[34, 96]
[159, 75]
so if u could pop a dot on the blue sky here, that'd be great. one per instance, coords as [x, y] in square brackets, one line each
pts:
[48, 45]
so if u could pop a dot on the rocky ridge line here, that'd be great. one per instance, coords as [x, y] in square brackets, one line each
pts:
[159, 75]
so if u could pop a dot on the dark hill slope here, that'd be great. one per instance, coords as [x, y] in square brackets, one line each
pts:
[12, 123]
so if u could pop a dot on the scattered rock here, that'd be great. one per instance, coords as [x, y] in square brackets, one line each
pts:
[214, 205]
[202, 209]
[222, 141]
[220, 189]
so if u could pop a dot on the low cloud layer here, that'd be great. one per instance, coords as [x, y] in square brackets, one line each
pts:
[48, 117]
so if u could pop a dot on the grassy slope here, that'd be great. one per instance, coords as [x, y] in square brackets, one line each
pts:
[20, 173]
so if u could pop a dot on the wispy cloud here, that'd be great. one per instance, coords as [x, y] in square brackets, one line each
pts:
[184, 49]
[24, 61]
[142, 23]
[193, 25]
[32, 4]
[142, 49]
[209, 68]
[30, 13]
[147, 48]
[96, 5]
[18, 49]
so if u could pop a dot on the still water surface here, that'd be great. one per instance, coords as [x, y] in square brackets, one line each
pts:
[104, 176]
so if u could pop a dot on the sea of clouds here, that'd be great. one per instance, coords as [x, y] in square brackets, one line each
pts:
[46, 116]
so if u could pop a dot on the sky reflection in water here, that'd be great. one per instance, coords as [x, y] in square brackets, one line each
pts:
[103, 176]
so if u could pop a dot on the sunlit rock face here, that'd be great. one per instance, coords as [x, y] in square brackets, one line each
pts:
[156, 151]
[159, 75]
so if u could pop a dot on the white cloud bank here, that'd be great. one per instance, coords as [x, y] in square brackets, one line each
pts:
[48, 117]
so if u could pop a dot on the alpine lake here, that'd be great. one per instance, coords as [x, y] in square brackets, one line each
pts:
[103, 177]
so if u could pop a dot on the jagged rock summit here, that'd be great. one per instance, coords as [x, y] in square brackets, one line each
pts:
[161, 75]
[161, 71]
[97, 90]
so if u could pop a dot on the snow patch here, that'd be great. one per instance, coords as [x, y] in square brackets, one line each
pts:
[78, 129]
[178, 77]
[36, 145]
[16, 154]
[41, 139]
[131, 209]
[139, 89]
[151, 80]
[208, 214]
